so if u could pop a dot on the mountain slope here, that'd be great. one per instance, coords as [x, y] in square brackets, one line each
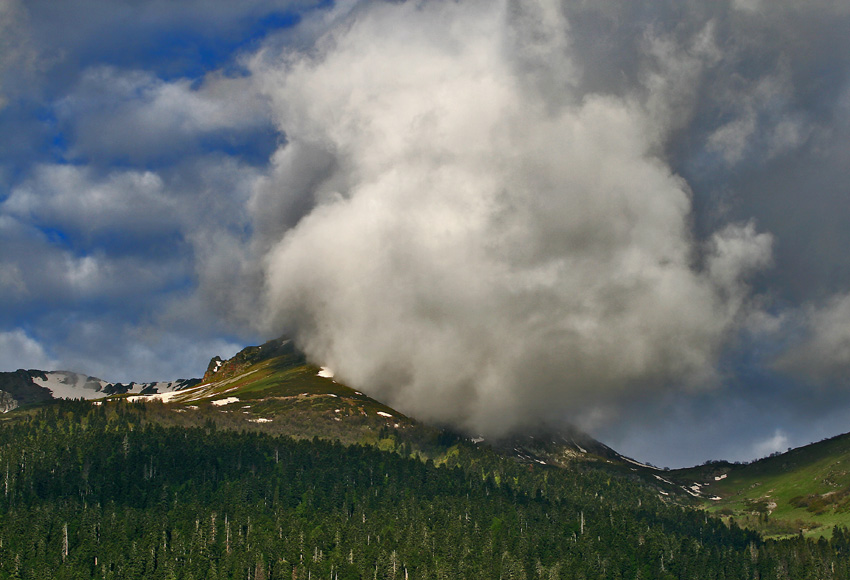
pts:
[274, 389]
[805, 490]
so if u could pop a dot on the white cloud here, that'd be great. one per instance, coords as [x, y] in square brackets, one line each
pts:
[20, 351]
[75, 199]
[113, 113]
[777, 442]
[487, 250]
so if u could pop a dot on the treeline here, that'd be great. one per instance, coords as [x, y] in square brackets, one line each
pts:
[100, 492]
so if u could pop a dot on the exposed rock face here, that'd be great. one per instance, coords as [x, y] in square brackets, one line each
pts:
[7, 402]
[20, 389]
[219, 369]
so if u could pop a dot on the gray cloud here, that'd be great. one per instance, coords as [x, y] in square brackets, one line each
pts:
[19, 58]
[115, 350]
[117, 114]
[491, 251]
[821, 353]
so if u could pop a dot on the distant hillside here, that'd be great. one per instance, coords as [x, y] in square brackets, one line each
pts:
[26, 387]
[805, 490]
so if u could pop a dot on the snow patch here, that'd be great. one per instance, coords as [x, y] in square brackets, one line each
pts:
[226, 401]
[163, 397]
[719, 477]
[260, 420]
[67, 385]
[382, 414]
[326, 373]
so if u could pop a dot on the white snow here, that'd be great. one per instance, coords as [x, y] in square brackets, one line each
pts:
[715, 498]
[477, 439]
[260, 420]
[658, 477]
[719, 477]
[326, 373]
[164, 397]
[67, 385]
[332, 395]
[226, 401]
[382, 414]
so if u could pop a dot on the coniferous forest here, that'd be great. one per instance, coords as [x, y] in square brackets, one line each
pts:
[103, 492]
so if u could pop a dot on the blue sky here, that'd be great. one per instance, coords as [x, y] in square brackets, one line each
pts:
[627, 215]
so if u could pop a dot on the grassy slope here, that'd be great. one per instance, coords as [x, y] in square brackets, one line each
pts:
[804, 490]
[278, 392]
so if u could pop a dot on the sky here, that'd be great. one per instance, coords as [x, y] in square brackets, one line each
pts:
[627, 215]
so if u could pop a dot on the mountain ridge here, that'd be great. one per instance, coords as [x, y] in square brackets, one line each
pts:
[273, 388]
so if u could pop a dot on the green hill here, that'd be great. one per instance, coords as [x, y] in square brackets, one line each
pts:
[806, 490]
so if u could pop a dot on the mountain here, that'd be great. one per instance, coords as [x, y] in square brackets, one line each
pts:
[25, 387]
[272, 388]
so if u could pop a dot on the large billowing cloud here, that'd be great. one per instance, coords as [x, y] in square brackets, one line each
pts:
[489, 246]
